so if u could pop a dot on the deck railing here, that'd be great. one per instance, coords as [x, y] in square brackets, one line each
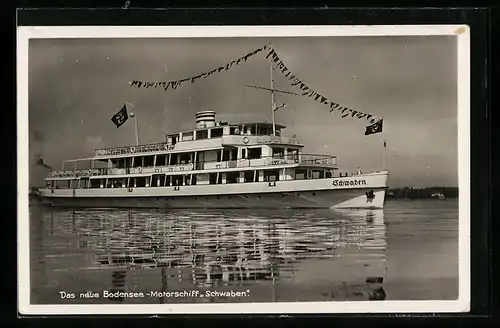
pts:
[224, 140]
[256, 139]
[302, 159]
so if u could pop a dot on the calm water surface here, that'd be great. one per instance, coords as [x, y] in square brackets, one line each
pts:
[408, 251]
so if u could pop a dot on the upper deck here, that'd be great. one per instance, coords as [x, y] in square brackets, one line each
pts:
[211, 148]
[218, 149]
[208, 135]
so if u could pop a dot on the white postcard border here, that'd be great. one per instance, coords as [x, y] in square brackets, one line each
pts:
[462, 304]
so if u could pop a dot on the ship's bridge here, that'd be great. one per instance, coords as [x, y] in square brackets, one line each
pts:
[208, 128]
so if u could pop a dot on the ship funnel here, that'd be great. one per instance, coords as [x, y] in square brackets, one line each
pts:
[205, 119]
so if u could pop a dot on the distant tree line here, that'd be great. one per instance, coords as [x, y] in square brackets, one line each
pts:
[419, 193]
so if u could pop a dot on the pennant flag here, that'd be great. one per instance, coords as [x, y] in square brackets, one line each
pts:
[121, 117]
[374, 128]
[175, 84]
[309, 92]
[375, 123]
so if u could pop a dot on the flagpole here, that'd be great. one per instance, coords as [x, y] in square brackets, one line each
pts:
[136, 130]
[383, 155]
[134, 116]
[165, 109]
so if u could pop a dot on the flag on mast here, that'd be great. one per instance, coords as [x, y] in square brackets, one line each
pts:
[374, 128]
[121, 117]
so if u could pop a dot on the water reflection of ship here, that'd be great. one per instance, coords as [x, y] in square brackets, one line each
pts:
[212, 249]
[226, 253]
[221, 253]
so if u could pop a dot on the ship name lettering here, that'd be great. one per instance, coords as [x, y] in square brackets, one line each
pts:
[355, 182]
[139, 149]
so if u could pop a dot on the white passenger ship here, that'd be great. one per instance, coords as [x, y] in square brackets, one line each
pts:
[215, 165]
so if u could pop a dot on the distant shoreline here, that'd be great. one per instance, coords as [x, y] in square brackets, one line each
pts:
[422, 193]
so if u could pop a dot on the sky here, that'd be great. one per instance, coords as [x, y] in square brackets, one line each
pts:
[76, 85]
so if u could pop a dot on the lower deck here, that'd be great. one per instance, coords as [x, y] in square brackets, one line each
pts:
[367, 198]
[162, 179]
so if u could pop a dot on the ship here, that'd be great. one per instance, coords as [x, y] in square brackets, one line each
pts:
[215, 164]
[438, 195]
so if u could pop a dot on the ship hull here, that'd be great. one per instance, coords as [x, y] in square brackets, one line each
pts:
[318, 199]
[363, 191]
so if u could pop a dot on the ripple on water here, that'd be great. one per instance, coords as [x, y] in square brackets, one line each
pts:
[280, 255]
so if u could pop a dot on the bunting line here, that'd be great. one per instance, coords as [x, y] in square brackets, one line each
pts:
[177, 83]
[309, 92]
[375, 123]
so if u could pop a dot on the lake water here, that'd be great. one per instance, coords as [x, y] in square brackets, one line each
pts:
[408, 251]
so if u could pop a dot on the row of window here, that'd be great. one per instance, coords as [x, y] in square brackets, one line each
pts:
[161, 180]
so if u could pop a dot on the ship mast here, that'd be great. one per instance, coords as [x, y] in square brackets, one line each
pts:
[274, 107]
[165, 109]
[272, 97]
